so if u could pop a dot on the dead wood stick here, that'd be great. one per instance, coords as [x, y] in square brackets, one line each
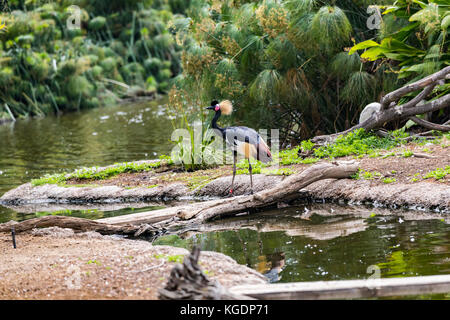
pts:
[430, 125]
[430, 80]
[390, 111]
[77, 224]
[187, 281]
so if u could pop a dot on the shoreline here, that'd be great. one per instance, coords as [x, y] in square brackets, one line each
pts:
[55, 263]
[420, 196]
[391, 180]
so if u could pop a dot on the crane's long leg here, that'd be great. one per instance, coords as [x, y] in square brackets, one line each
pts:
[234, 171]
[251, 178]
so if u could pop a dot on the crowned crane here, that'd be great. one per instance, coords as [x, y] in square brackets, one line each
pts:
[243, 140]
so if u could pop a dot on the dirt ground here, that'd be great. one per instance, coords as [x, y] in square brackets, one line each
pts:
[55, 263]
[403, 169]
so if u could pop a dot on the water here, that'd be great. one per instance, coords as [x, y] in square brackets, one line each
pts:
[351, 243]
[286, 245]
[32, 148]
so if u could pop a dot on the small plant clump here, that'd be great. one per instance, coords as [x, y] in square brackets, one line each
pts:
[366, 175]
[388, 180]
[438, 174]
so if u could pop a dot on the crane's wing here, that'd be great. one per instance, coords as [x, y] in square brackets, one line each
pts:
[247, 142]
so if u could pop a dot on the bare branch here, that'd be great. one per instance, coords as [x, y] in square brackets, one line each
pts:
[430, 125]
[397, 94]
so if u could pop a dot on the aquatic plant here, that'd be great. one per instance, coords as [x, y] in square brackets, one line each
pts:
[47, 68]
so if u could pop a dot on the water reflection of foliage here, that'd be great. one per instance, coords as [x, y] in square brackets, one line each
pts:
[385, 243]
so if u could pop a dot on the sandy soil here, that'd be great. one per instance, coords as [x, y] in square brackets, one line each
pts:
[55, 263]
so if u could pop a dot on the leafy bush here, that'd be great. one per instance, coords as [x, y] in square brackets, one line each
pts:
[46, 67]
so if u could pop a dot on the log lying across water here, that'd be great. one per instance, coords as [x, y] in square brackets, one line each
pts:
[157, 221]
[347, 289]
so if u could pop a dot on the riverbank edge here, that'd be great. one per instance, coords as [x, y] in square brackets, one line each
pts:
[422, 196]
[56, 263]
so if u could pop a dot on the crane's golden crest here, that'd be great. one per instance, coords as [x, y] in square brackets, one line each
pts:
[226, 107]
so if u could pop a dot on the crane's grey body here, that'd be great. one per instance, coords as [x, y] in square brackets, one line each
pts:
[243, 140]
[236, 135]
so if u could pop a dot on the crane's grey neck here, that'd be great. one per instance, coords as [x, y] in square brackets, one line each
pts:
[214, 121]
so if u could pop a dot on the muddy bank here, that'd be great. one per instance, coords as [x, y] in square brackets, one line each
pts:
[433, 196]
[407, 186]
[56, 263]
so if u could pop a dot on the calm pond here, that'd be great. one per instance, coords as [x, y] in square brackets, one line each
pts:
[307, 243]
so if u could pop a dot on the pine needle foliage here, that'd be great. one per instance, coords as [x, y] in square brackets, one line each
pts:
[284, 64]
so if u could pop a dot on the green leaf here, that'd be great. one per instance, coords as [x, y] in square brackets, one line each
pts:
[445, 22]
[373, 53]
[390, 9]
[363, 45]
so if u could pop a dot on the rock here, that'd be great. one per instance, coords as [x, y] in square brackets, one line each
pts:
[368, 111]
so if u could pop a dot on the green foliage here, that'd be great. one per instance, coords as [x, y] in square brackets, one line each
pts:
[306, 145]
[330, 27]
[414, 37]
[95, 173]
[358, 142]
[283, 63]
[46, 68]
[388, 180]
[407, 154]
[438, 174]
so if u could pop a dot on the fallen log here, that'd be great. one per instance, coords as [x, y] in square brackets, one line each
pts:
[347, 289]
[285, 191]
[389, 110]
[77, 224]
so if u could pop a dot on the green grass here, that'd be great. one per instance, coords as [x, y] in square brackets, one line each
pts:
[96, 174]
[366, 175]
[388, 180]
[438, 174]
[358, 142]
[407, 154]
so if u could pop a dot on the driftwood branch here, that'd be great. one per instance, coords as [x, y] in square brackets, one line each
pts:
[420, 84]
[187, 281]
[285, 191]
[79, 225]
[391, 111]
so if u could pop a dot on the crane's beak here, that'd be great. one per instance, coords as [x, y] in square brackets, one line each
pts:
[210, 108]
